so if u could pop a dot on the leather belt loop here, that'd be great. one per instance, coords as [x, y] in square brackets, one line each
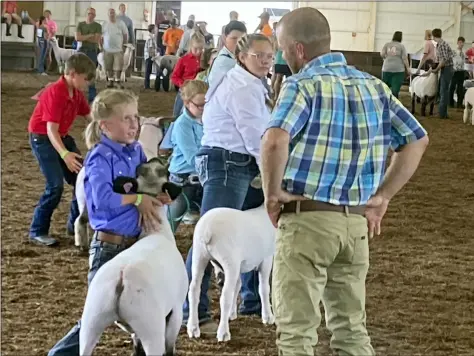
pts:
[298, 207]
[346, 210]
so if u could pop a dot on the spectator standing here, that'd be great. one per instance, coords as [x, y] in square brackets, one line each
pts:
[445, 56]
[52, 28]
[89, 33]
[114, 36]
[171, 38]
[42, 43]
[457, 83]
[128, 23]
[470, 60]
[184, 42]
[264, 27]
[150, 53]
[163, 23]
[395, 63]
[233, 16]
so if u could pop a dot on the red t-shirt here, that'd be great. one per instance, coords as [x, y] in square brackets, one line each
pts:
[55, 105]
[10, 7]
[470, 54]
[187, 68]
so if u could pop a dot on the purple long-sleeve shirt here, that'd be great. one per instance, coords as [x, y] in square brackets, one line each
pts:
[107, 161]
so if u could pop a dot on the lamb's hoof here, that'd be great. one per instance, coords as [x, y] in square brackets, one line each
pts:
[223, 335]
[194, 331]
[268, 319]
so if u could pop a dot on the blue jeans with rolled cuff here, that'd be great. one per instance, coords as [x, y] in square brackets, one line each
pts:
[55, 172]
[226, 177]
[99, 253]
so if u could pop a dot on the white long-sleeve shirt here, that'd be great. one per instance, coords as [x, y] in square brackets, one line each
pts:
[235, 115]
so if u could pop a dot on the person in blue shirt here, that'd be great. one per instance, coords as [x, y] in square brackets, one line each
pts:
[115, 218]
[186, 141]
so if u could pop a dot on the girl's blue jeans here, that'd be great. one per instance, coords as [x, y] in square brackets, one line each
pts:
[225, 177]
[43, 50]
[99, 254]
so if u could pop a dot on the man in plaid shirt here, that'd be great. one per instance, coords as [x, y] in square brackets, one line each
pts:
[445, 56]
[327, 142]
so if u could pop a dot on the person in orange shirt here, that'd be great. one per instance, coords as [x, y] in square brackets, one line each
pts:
[264, 27]
[171, 38]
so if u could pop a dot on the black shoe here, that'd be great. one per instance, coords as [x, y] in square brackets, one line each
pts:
[43, 241]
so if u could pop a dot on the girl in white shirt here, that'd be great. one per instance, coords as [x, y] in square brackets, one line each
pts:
[235, 117]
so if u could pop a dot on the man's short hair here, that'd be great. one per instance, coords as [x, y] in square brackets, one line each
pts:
[437, 33]
[235, 26]
[47, 11]
[81, 64]
[462, 39]
[190, 24]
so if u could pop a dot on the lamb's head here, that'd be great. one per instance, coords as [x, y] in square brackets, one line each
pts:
[152, 179]
[54, 40]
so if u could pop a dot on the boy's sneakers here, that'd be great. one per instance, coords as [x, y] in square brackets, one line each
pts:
[43, 240]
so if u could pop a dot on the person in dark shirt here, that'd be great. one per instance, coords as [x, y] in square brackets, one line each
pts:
[161, 27]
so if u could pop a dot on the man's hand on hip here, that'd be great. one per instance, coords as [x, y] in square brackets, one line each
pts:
[273, 204]
[375, 210]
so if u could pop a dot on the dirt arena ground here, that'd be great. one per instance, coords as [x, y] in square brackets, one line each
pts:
[419, 290]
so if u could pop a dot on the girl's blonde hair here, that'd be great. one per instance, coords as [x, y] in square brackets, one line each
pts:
[196, 38]
[102, 108]
[191, 88]
[427, 35]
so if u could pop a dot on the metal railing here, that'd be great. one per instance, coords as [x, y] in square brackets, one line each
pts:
[65, 35]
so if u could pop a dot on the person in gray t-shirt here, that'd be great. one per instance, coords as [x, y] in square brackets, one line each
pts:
[395, 62]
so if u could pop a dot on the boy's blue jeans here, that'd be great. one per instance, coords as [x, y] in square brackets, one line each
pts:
[55, 172]
[99, 254]
[225, 177]
[92, 90]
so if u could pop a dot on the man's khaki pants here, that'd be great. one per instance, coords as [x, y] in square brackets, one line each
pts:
[324, 256]
[113, 63]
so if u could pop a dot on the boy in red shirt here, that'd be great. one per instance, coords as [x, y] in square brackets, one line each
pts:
[187, 67]
[57, 154]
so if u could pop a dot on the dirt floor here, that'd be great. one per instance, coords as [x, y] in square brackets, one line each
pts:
[419, 290]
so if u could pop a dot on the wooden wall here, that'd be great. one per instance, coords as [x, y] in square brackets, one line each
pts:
[34, 8]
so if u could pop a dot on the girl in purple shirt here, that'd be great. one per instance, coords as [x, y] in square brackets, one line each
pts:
[114, 152]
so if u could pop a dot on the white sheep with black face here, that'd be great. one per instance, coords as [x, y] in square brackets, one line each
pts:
[145, 286]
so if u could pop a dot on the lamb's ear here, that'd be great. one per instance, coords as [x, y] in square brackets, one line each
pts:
[161, 160]
[125, 185]
[173, 190]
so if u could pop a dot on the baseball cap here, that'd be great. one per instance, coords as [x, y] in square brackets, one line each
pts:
[264, 15]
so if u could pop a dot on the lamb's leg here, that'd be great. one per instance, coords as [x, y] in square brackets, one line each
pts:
[233, 314]
[226, 301]
[432, 104]
[413, 101]
[423, 105]
[200, 262]
[172, 329]
[472, 115]
[467, 110]
[264, 289]
[151, 332]
[81, 236]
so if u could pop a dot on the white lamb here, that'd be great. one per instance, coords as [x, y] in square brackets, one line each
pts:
[164, 68]
[101, 74]
[61, 54]
[469, 106]
[236, 242]
[424, 87]
[144, 286]
[150, 137]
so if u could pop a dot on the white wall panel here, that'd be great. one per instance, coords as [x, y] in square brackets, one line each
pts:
[412, 18]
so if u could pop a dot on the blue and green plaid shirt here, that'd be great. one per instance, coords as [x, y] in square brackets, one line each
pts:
[341, 122]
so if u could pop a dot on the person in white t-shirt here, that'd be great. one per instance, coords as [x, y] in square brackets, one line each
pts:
[114, 36]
